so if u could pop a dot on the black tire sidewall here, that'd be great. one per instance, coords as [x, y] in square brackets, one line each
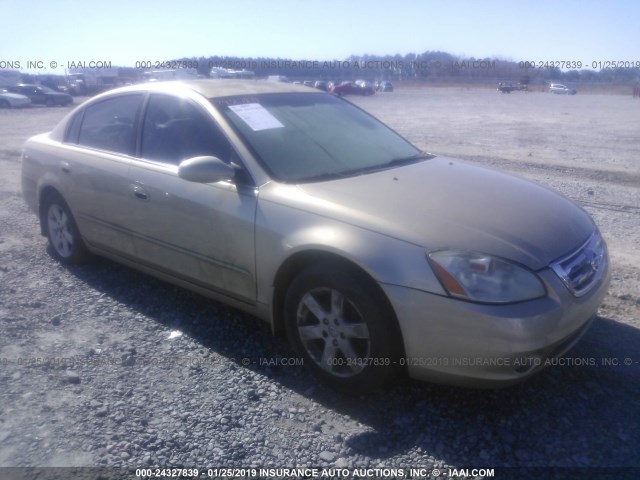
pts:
[385, 339]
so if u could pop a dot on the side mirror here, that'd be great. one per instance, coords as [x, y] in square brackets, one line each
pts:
[205, 170]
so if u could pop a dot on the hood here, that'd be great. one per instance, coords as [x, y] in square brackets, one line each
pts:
[444, 203]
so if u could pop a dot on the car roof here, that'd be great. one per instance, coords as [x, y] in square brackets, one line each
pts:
[212, 88]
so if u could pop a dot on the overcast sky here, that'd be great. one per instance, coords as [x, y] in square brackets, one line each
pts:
[124, 32]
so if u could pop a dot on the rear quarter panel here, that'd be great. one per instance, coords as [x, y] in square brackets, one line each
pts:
[38, 169]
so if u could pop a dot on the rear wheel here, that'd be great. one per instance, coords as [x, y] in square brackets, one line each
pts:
[345, 333]
[4, 103]
[63, 235]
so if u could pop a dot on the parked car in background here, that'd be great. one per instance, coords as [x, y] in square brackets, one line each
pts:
[278, 78]
[42, 95]
[321, 85]
[308, 83]
[13, 100]
[376, 258]
[54, 83]
[560, 89]
[352, 88]
[365, 84]
[508, 87]
[384, 86]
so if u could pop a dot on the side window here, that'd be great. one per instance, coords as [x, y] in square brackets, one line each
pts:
[174, 129]
[111, 124]
[73, 130]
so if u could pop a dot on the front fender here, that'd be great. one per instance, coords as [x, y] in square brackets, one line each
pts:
[284, 231]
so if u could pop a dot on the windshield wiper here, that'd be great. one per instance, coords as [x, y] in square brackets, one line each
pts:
[371, 168]
[410, 158]
[321, 177]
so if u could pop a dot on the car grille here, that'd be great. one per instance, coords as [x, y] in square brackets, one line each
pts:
[580, 270]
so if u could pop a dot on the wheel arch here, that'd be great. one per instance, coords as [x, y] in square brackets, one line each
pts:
[44, 193]
[302, 260]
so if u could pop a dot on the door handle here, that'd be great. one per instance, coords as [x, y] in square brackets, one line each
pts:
[65, 167]
[139, 192]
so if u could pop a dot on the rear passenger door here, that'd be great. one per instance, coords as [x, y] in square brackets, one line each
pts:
[200, 233]
[99, 146]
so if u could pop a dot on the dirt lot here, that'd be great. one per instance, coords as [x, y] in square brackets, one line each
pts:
[235, 413]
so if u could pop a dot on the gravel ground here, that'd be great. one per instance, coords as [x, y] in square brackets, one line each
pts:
[104, 366]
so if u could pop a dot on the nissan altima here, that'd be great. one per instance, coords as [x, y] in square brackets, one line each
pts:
[376, 259]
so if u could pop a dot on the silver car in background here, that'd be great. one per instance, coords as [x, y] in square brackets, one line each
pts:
[13, 100]
[375, 258]
[560, 89]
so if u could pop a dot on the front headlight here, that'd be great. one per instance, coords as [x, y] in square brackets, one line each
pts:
[483, 278]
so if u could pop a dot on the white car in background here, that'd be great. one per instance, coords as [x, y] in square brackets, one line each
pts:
[13, 100]
[558, 88]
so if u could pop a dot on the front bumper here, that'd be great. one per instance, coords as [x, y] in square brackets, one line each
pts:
[477, 345]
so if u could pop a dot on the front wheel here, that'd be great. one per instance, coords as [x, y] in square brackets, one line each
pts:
[347, 336]
[63, 235]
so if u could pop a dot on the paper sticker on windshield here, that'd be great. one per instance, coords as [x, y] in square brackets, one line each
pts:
[256, 116]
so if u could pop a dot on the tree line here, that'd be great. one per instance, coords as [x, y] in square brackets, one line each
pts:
[426, 67]
[430, 66]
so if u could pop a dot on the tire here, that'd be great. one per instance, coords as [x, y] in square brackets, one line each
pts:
[346, 334]
[62, 232]
[49, 102]
[5, 104]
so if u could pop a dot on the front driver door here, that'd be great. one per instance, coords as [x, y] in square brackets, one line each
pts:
[201, 233]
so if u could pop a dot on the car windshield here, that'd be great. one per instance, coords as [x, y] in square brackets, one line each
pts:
[305, 137]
